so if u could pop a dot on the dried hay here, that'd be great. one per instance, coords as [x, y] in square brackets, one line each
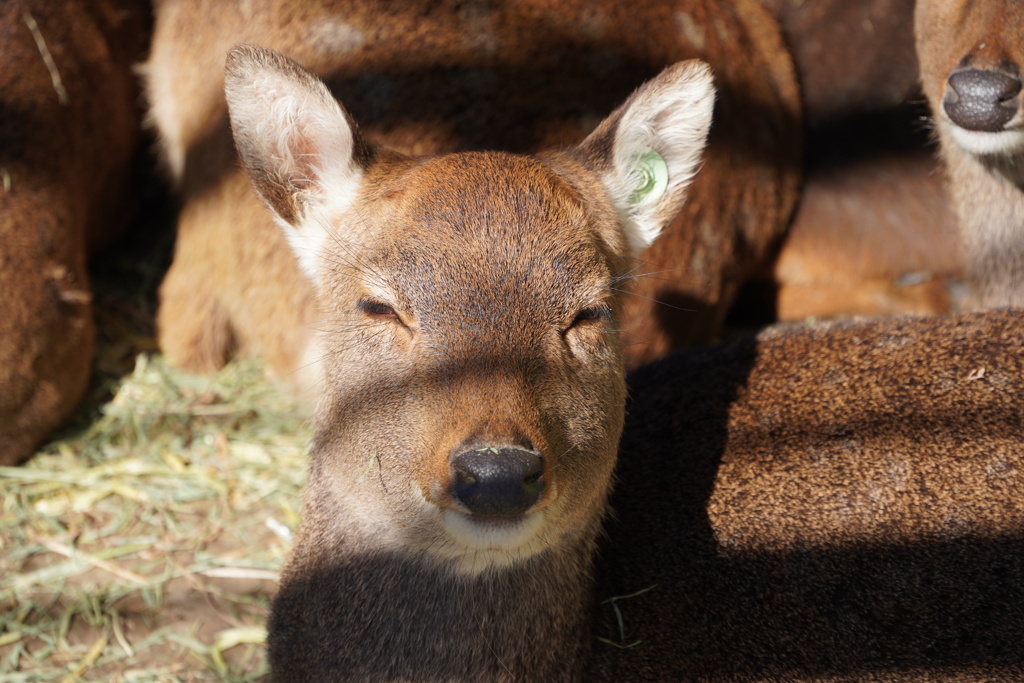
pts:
[145, 545]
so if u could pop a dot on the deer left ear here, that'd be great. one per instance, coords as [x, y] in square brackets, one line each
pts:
[649, 149]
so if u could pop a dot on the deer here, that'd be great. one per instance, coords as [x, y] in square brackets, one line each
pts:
[970, 70]
[69, 131]
[874, 232]
[488, 500]
[490, 278]
[428, 78]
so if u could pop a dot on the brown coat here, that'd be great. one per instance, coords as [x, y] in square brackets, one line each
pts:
[69, 128]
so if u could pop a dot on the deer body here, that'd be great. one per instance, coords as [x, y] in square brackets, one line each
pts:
[874, 233]
[69, 130]
[971, 59]
[383, 614]
[837, 502]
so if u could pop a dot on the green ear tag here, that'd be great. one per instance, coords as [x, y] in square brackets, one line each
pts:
[652, 172]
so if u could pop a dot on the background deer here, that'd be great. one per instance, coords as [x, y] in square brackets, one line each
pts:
[874, 233]
[971, 58]
[808, 504]
[69, 128]
[431, 78]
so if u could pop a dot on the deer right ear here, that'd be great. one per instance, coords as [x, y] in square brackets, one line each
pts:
[648, 150]
[300, 148]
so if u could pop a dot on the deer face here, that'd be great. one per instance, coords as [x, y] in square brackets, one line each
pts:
[473, 381]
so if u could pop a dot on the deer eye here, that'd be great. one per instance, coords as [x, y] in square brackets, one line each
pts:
[377, 309]
[591, 314]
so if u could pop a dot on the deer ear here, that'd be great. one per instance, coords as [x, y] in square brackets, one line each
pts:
[299, 147]
[648, 150]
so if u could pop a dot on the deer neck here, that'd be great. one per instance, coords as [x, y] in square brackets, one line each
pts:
[379, 614]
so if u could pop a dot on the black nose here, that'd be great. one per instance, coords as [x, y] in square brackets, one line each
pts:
[498, 481]
[982, 100]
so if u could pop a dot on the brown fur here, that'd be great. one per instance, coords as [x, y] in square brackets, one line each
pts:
[518, 77]
[829, 503]
[67, 166]
[852, 58]
[987, 187]
[872, 236]
[874, 233]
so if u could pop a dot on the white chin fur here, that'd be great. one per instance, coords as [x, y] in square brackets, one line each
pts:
[471, 546]
[1006, 143]
[476, 546]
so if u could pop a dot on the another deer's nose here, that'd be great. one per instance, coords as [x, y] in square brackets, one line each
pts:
[503, 481]
[982, 99]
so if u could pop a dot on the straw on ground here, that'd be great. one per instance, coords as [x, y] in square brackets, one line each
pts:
[144, 544]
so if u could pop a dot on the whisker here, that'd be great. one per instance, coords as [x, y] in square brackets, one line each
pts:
[635, 276]
[660, 303]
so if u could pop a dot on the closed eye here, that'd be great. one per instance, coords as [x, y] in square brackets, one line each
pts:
[377, 309]
[590, 315]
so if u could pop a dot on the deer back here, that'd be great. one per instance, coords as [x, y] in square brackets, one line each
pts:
[835, 502]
